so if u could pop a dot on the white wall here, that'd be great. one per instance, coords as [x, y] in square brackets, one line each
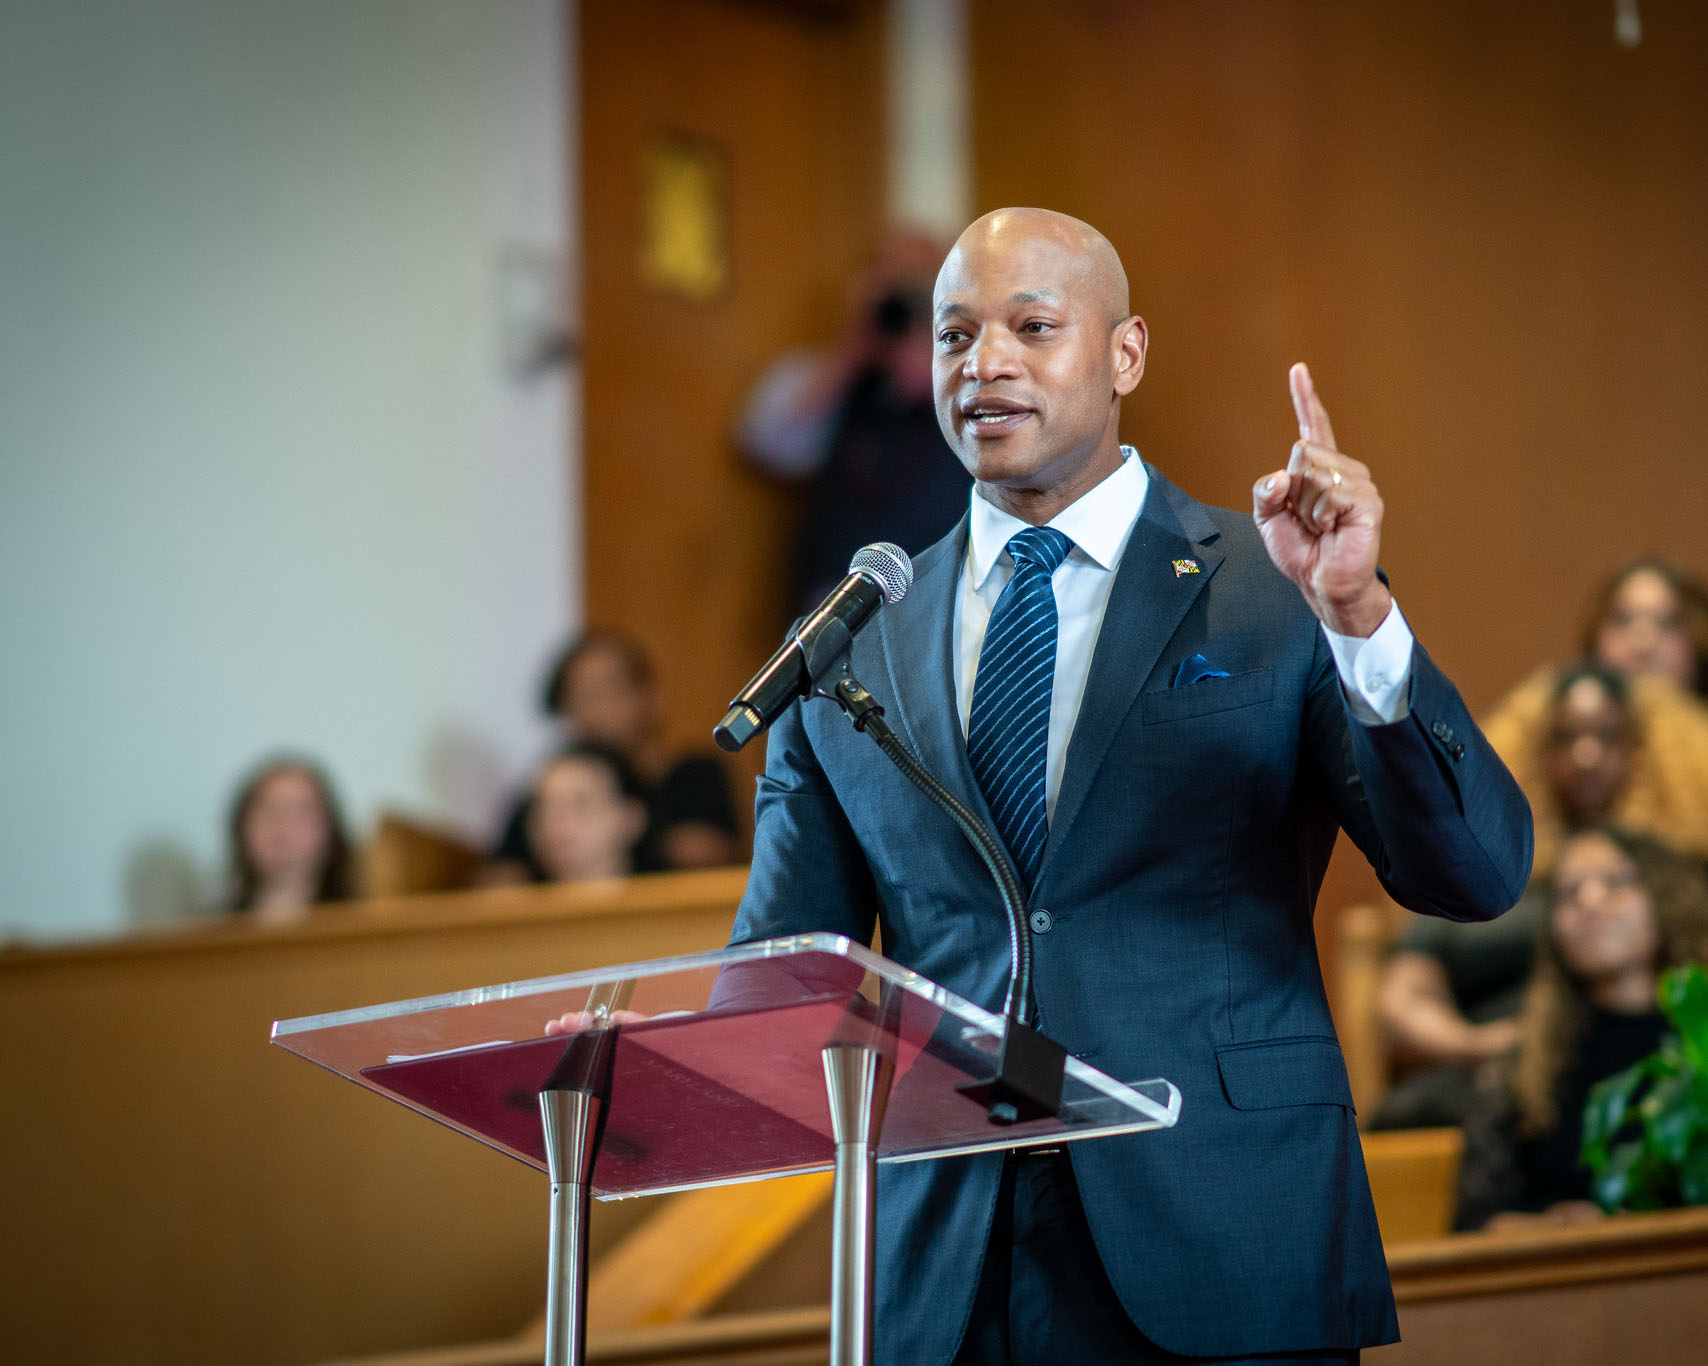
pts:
[264, 480]
[930, 115]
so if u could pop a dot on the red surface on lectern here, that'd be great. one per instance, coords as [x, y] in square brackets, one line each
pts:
[692, 1099]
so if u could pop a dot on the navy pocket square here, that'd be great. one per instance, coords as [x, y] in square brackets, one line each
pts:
[1195, 669]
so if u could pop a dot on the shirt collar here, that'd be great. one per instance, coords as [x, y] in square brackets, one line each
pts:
[1098, 522]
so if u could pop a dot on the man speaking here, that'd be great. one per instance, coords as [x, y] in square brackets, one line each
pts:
[1165, 732]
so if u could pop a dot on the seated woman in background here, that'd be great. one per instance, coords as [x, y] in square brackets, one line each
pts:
[1620, 910]
[586, 815]
[601, 690]
[1665, 791]
[1649, 624]
[1650, 620]
[288, 847]
[1450, 992]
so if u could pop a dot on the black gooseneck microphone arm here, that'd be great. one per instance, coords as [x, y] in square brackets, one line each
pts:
[1028, 1080]
[814, 662]
[868, 718]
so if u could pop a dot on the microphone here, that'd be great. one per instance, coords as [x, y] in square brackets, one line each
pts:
[877, 574]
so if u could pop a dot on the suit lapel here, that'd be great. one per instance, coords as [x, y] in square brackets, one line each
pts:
[1147, 603]
[918, 639]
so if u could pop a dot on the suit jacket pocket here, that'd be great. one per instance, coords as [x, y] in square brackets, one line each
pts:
[1304, 1071]
[1212, 695]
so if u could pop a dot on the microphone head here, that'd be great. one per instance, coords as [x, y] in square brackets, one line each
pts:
[887, 566]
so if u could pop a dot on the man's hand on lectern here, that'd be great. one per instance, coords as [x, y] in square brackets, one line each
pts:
[576, 1021]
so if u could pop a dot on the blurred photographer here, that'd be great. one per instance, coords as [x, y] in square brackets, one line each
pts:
[854, 424]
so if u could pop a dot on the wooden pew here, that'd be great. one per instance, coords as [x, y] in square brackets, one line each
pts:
[1631, 1289]
[773, 1337]
[189, 1193]
[743, 1247]
[1626, 1291]
[405, 857]
[719, 1250]
[1414, 1181]
[693, 1251]
[1361, 939]
[177, 1189]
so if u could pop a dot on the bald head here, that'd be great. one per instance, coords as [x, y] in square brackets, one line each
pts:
[1033, 350]
[1088, 261]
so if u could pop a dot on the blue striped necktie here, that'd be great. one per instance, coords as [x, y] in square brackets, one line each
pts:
[1008, 732]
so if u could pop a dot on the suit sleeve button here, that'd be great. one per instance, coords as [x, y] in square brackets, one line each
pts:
[1041, 920]
[1441, 730]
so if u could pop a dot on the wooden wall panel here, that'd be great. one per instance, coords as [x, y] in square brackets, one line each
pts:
[1481, 224]
[685, 546]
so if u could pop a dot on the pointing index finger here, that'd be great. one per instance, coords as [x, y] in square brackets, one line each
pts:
[1314, 425]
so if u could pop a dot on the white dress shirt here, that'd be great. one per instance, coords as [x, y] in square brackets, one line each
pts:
[1374, 671]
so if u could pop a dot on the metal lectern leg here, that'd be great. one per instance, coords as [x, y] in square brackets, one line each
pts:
[570, 1120]
[858, 1079]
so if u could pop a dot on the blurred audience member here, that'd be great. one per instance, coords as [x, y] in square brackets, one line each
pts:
[1648, 623]
[1620, 909]
[288, 846]
[601, 691]
[1650, 620]
[856, 425]
[1589, 743]
[1450, 992]
[587, 815]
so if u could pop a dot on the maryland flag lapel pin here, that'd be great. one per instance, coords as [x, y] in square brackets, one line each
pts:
[1185, 567]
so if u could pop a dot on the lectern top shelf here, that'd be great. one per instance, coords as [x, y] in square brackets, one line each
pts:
[715, 1070]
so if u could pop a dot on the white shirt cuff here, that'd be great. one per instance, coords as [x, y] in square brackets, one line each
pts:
[1375, 670]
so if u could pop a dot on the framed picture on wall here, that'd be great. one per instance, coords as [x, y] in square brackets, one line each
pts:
[685, 218]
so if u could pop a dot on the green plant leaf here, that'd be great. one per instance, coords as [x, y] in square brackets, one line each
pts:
[1666, 1097]
[1670, 1117]
[1683, 995]
[1693, 1176]
[1668, 1059]
[1604, 1114]
[1651, 1185]
[1614, 1182]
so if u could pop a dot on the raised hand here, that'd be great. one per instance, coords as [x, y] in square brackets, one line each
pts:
[1321, 521]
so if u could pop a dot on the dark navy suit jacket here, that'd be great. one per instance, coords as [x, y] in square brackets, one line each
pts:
[1190, 835]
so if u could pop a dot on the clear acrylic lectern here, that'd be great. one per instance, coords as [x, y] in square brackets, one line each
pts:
[791, 1055]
